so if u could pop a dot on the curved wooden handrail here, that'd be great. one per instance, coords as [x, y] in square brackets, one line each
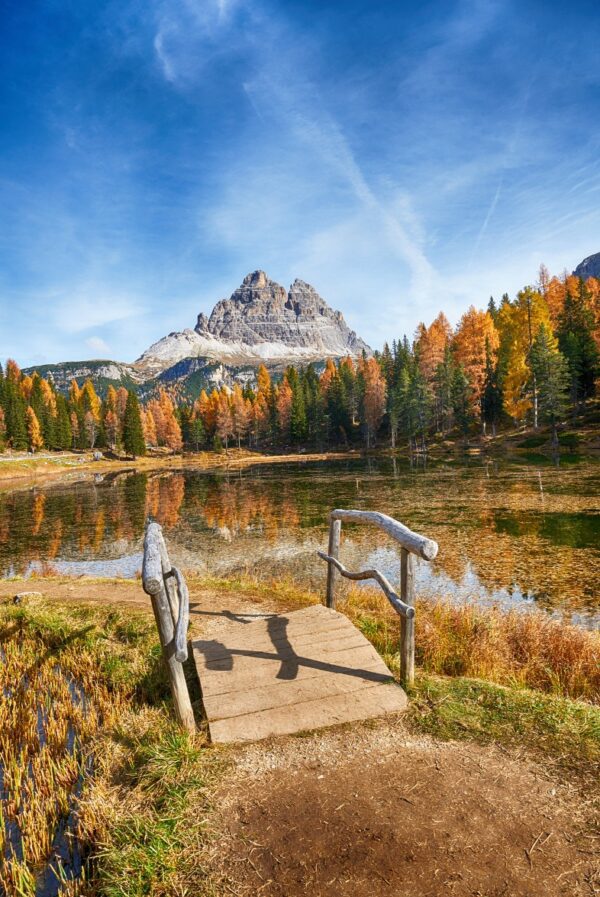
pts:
[412, 545]
[172, 615]
[405, 610]
[414, 542]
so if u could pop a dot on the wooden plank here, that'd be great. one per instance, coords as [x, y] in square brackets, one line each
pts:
[279, 675]
[270, 637]
[280, 694]
[351, 661]
[212, 652]
[366, 704]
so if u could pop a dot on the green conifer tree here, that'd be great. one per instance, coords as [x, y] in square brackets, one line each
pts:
[491, 397]
[552, 374]
[133, 431]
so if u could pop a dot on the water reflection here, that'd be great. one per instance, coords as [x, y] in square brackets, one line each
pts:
[508, 532]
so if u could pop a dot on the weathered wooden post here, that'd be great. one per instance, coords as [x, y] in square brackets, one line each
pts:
[407, 623]
[155, 570]
[413, 545]
[335, 530]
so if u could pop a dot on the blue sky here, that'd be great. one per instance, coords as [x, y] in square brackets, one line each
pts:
[401, 157]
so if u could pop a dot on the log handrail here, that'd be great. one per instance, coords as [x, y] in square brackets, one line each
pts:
[414, 542]
[412, 545]
[170, 602]
[404, 610]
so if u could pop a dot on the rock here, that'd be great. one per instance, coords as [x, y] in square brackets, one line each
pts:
[589, 267]
[24, 596]
[98, 456]
[261, 322]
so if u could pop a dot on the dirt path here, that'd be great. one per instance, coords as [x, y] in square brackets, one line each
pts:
[371, 810]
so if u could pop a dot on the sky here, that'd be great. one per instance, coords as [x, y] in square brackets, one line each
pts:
[401, 157]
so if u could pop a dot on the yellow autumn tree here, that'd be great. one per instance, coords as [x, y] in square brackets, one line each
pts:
[475, 335]
[518, 323]
[34, 431]
[430, 346]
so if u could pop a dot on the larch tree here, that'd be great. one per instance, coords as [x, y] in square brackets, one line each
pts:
[240, 415]
[374, 397]
[475, 331]
[284, 408]
[34, 431]
[430, 346]
[224, 420]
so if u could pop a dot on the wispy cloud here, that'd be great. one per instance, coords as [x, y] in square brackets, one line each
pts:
[97, 344]
[402, 158]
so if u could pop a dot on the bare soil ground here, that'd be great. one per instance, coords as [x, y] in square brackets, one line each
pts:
[372, 811]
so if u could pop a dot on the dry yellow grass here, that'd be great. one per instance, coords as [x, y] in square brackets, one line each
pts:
[510, 648]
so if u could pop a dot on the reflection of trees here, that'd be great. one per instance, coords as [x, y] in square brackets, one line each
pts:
[500, 534]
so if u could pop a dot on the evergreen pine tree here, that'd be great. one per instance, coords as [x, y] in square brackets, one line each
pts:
[552, 374]
[298, 409]
[63, 435]
[14, 410]
[491, 397]
[461, 399]
[576, 342]
[133, 431]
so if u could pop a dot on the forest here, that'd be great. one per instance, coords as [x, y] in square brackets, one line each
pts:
[528, 361]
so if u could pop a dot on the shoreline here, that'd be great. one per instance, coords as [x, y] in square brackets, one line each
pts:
[29, 471]
[25, 470]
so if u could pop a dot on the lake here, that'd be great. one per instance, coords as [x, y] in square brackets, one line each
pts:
[516, 532]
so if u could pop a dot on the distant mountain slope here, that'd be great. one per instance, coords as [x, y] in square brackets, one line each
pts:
[589, 267]
[259, 323]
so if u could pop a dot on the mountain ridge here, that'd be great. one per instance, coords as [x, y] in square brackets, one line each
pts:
[260, 322]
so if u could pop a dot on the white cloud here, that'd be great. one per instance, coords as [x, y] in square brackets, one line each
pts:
[97, 344]
[92, 307]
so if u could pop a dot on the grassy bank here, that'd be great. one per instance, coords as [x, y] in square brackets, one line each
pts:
[88, 742]
[23, 469]
[138, 792]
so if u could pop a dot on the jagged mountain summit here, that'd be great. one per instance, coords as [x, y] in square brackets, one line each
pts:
[589, 267]
[260, 322]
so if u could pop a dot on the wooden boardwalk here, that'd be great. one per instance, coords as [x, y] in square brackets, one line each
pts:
[291, 672]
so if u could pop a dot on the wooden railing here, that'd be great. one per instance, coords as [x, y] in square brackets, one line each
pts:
[170, 602]
[412, 545]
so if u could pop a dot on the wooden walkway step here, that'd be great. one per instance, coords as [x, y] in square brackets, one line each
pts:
[291, 672]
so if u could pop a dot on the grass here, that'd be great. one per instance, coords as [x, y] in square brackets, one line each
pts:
[144, 816]
[566, 731]
[84, 690]
[516, 649]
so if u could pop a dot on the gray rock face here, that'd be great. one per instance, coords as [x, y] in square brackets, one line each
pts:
[589, 267]
[260, 322]
[260, 311]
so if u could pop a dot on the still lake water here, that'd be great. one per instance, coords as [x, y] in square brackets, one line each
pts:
[511, 532]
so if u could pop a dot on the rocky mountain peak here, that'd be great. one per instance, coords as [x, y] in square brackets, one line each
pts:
[262, 321]
[589, 267]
